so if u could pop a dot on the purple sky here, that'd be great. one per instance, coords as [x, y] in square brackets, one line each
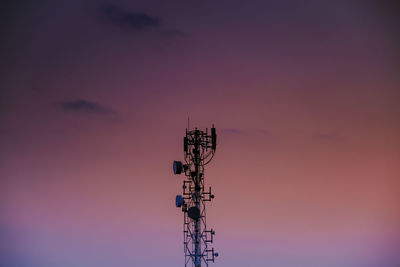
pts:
[94, 102]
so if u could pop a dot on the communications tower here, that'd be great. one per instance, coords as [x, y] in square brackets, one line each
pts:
[199, 149]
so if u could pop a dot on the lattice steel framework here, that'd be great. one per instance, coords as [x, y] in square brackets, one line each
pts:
[199, 149]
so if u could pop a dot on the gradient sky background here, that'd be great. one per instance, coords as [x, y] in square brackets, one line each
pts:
[95, 97]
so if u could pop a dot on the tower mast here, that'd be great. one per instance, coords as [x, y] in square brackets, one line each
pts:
[199, 149]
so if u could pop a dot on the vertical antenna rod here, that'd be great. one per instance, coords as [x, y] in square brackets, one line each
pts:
[199, 149]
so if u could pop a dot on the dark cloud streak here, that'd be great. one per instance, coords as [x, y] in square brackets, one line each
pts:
[325, 137]
[82, 105]
[124, 18]
[232, 131]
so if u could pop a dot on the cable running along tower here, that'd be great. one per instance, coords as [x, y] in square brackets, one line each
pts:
[199, 149]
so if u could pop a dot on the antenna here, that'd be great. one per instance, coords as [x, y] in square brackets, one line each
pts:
[199, 149]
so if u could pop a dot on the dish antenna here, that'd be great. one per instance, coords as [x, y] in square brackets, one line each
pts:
[199, 149]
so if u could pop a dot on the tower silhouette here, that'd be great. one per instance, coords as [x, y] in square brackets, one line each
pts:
[199, 149]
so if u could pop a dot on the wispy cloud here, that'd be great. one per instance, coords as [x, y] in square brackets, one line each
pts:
[173, 33]
[136, 20]
[232, 131]
[325, 136]
[124, 18]
[82, 105]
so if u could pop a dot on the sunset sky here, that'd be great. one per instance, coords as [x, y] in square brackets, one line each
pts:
[94, 101]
